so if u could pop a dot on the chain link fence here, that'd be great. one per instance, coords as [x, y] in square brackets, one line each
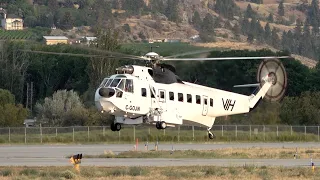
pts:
[128, 134]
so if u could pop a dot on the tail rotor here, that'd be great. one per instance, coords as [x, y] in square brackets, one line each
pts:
[277, 76]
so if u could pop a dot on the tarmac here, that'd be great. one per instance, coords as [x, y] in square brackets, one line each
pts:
[55, 155]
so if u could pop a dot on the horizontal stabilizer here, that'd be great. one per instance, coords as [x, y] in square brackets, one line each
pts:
[247, 85]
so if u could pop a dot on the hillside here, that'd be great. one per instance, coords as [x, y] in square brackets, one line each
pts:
[157, 26]
[227, 23]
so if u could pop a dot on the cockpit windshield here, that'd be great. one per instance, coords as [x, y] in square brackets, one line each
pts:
[120, 83]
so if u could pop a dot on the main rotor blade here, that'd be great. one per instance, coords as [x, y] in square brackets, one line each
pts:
[58, 53]
[117, 54]
[189, 53]
[83, 55]
[224, 58]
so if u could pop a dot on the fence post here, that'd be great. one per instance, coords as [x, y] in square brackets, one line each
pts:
[192, 133]
[264, 132]
[164, 132]
[277, 131]
[40, 133]
[134, 132]
[178, 133]
[236, 131]
[56, 132]
[10, 135]
[25, 135]
[222, 130]
[149, 131]
[291, 131]
[88, 134]
[318, 133]
[250, 132]
[73, 134]
[305, 132]
[119, 136]
[104, 131]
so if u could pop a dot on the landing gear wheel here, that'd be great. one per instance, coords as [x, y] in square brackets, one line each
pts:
[117, 127]
[158, 125]
[113, 127]
[211, 135]
[163, 125]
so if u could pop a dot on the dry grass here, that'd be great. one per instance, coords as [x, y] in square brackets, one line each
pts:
[226, 153]
[163, 173]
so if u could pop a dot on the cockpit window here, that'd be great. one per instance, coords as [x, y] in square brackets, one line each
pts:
[115, 82]
[103, 82]
[119, 83]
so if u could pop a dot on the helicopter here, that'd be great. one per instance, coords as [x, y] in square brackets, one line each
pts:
[154, 94]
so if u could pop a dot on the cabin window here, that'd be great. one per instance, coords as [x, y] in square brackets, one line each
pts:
[171, 96]
[189, 98]
[143, 92]
[211, 102]
[205, 101]
[198, 99]
[129, 85]
[180, 97]
[161, 94]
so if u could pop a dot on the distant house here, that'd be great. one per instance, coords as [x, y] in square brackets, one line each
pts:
[52, 40]
[88, 40]
[10, 21]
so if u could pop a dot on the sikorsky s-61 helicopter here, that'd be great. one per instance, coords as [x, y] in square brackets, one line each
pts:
[154, 94]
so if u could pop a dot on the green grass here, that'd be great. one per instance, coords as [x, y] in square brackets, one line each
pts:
[16, 34]
[193, 172]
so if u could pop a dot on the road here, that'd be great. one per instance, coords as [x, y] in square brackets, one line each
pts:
[55, 155]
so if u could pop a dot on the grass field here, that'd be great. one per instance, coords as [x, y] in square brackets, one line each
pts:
[195, 172]
[225, 153]
[150, 134]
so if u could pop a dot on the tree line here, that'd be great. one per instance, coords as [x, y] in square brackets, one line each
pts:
[65, 85]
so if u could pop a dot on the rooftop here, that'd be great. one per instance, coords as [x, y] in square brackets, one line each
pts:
[55, 37]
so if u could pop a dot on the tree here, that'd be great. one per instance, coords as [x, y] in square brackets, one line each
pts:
[10, 114]
[67, 21]
[13, 68]
[249, 12]
[270, 18]
[207, 29]
[99, 68]
[281, 8]
[226, 8]
[196, 20]
[55, 108]
[267, 33]
[172, 11]
[313, 16]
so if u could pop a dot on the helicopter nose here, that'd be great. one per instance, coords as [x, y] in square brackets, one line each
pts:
[106, 92]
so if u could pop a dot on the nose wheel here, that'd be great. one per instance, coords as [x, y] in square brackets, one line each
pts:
[115, 127]
[210, 134]
[161, 125]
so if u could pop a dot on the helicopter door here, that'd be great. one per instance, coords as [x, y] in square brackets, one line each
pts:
[162, 99]
[205, 105]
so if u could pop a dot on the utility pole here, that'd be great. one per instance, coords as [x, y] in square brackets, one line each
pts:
[29, 96]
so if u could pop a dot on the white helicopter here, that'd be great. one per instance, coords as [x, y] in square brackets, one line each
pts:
[155, 95]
